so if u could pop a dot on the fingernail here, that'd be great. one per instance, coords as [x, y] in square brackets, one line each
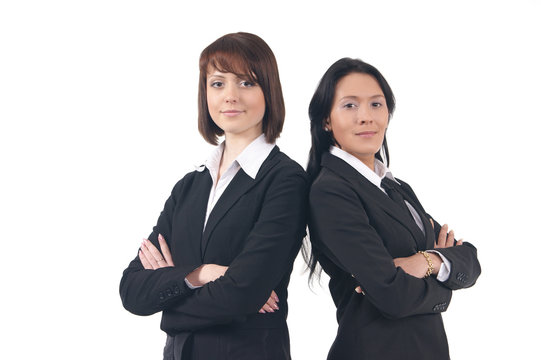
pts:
[276, 307]
[262, 311]
[160, 236]
[276, 298]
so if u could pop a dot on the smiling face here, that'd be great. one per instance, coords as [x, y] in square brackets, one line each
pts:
[236, 105]
[359, 116]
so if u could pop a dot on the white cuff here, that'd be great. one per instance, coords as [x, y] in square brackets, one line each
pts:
[197, 287]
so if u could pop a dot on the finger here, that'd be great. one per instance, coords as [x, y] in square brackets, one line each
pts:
[450, 239]
[144, 261]
[459, 242]
[156, 253]
[274, 296]
[148, 255]
[442, 236]
[272, 303]
[165, 250]
[432, 222]
[358, 289]
[267, 308]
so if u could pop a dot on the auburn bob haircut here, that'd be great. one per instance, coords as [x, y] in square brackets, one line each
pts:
[247, 56]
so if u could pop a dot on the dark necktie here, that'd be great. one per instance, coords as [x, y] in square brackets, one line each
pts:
[391, 188]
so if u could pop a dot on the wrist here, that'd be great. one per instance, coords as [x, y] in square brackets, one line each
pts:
[431, 267]
[436, 262]
[195, 277]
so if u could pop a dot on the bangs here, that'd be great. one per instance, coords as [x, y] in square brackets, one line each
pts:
[233, 61]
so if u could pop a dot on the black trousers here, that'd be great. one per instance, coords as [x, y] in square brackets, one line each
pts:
[231, 344]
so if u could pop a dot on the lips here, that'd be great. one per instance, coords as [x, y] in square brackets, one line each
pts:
[231, 112]
[366, 133]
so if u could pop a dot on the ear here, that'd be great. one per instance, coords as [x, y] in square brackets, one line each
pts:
[327, 125]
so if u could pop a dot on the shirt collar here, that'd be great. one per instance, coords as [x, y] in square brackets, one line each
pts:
[253, 156]
[374, 177]
[250, 159]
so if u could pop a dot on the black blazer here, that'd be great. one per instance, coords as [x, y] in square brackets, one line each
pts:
[356, 231]
[256, 228]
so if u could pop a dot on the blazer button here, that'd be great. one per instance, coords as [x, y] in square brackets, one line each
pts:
[162, 297]
[439, 307]
[168, 292]
[176, 290]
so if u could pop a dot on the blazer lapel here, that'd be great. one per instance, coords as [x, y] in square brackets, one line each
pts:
[428, 236]
[196, 216]
[377, 196]
[240, 184]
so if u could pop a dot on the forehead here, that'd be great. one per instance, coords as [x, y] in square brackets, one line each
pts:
[358, 85]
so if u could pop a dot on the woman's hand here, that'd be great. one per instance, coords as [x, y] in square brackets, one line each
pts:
[271, 304]
[150, 256]
[417, 265]
[210, 272]
[445, 239]
[205, 274]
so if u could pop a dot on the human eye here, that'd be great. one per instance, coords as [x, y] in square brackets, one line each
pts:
[216, 84]
[349, 105]
[376, 104]
[247, 83]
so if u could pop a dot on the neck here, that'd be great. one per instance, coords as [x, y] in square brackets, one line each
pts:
[234, 145]
[369, 161]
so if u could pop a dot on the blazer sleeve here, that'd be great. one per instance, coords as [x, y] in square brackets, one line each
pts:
[341, 229]
[145, 292]
[269, 252]
[465, 267]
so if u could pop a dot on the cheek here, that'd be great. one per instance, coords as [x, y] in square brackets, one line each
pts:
[212, 104]
[257, 103]
[340, 125]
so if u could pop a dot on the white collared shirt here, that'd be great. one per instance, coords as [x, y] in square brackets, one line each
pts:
[250, 160]
[375, 177]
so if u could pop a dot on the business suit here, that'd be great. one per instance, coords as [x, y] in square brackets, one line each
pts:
[255, 228]
[356, 231]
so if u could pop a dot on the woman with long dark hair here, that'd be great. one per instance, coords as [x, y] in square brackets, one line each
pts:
[217, 263]
[392, 267]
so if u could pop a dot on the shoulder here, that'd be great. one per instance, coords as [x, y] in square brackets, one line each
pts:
[190, 179]
[284, 166]
[329, 184]
[406, 187]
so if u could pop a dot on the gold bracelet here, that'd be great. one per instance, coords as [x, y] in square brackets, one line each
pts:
[429, 261]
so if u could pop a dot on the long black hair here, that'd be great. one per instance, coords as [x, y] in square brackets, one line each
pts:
[320, 110]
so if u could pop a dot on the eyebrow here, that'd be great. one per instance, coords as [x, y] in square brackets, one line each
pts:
[219, 76]
[353, 97]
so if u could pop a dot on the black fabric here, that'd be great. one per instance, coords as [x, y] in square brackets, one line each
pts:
[391, 188]
[356, 231]
[256, 229]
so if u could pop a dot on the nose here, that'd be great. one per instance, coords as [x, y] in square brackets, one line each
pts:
[364, 115]
[231, 94]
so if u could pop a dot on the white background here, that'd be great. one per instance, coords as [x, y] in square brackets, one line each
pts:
[98, 121]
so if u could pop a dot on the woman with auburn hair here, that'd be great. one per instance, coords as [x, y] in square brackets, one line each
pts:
[392, 267]
[217, 263]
